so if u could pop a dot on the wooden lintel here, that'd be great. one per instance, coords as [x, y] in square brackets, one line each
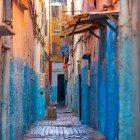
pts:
[81, 22]
[79, 27]
[74, 21]
[81, 16]
[82, 29]
[112, 18]
[71, 22]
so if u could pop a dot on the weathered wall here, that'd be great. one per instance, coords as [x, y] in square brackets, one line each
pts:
[136, 64]
[21, 100]
[125, 76]
[1, 16]
[26, 101]
[112, 97]
[129, 71]
[0, 77]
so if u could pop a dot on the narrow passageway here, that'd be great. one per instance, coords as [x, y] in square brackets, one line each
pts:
[66, 126]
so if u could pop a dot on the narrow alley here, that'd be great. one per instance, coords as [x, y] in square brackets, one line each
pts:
[65, 127]
[69, 69]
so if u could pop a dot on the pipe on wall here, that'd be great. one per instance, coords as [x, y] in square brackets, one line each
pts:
[5, 94]
[6, 75]
[1, 19]
[7, 4]
[135, 10]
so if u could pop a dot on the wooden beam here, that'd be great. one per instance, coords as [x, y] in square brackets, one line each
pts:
[105, 12]
[82, 29]
[81, 22]
[77, 28]
[112, 18]
[81, 16]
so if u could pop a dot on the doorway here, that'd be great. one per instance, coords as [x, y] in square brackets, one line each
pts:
[61, 88]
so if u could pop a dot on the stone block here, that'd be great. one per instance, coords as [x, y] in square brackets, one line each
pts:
[97, 137]
[51, 113]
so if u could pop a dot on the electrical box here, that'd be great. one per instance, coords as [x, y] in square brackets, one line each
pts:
[88, 78]
[42, 80]
[79, 68]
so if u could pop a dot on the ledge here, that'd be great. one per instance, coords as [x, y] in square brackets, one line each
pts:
[5, 30]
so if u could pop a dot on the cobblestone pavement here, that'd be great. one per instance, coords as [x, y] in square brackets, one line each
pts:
[65, 127]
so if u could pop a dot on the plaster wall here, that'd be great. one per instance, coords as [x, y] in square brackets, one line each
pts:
[1, 15]
[25, 99]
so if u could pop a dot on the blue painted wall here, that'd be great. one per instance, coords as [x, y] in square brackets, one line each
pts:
[112, 99]
[93, 95]
[108, 101]
[70, 96]
[101, 100]
[77, 92]
[125, 85]
[85, 104]
[54, 93]
[26, 104]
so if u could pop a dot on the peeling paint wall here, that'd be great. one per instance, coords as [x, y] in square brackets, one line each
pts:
[125, 75]
[112, 96]
[26, 101]
[136, 67]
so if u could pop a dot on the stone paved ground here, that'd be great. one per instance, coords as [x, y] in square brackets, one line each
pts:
[65, 127]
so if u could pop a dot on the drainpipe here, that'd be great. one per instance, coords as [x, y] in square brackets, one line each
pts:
[7, 11]
[125, 69]
[5, 93]
[1, 15]
[135, 10]
[138, 40]
[72, 13]
[6, 69]
[50, 43]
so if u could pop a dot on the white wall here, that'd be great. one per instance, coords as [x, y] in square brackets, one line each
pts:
[57, 68]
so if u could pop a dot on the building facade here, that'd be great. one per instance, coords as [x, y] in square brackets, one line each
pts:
[100, 68]
[23, 65]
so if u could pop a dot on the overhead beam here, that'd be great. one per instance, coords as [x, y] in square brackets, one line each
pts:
[112, 18]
